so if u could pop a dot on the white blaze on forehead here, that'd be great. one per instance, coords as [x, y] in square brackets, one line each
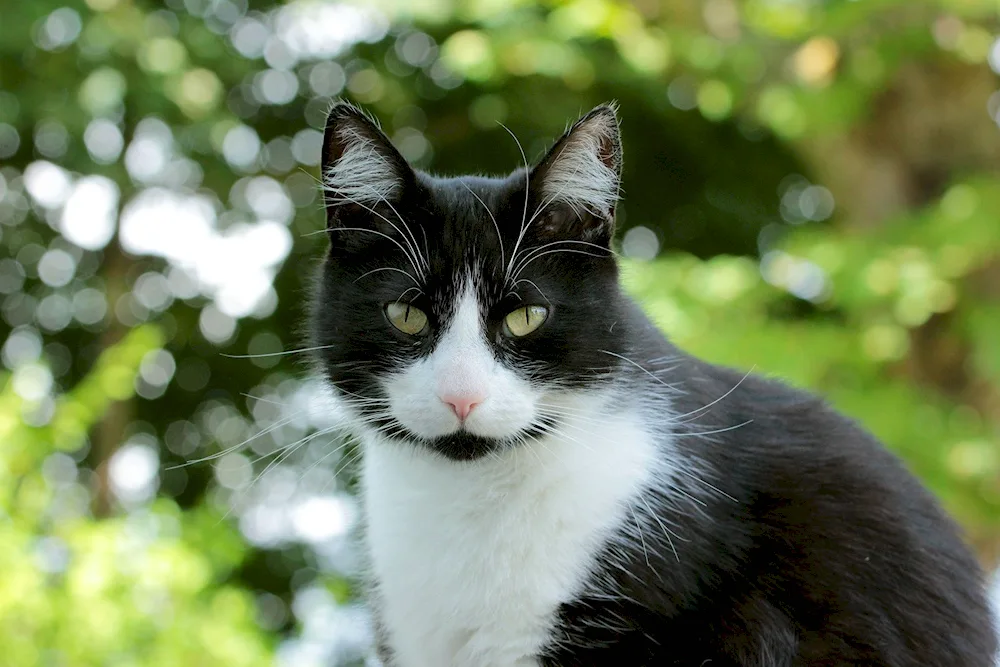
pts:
[462, 360]
[462, 366]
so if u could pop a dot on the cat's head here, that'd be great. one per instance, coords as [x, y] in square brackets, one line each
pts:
[466, 314]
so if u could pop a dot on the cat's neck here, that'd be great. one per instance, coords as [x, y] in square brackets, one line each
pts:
[516, 528]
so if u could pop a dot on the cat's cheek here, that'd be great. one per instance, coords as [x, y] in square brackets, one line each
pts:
[414, 403]
[509, 410]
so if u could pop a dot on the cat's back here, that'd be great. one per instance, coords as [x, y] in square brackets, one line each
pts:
[825, 526]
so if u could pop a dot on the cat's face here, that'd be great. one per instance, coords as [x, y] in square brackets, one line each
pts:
[467, 314]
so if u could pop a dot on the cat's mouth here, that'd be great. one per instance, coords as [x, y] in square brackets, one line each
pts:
[463, 445]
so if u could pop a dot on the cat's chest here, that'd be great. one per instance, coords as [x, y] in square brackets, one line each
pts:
[471, 561]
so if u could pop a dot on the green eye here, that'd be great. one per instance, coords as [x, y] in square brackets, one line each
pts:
[408, 319]
[523, 321]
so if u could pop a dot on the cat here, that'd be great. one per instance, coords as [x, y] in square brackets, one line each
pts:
[546, 480]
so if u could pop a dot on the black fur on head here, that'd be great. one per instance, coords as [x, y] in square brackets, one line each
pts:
[539, 236]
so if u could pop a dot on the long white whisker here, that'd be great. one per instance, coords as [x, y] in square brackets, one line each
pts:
[275, 354]
[350, 461]
[234, 448]
[552, 252]
[284, 453]
[641, 368]
[529, 252]
[537, 288]
[407, 291]
[527, 188]
[570, 423]
[411, 257]
[525, 225]
[301, 441]
[718, 430]
[410, 235]
[399, 245]
[324, 458]
[271, 401]
[503, 260]
[387, 268]
[709, 405]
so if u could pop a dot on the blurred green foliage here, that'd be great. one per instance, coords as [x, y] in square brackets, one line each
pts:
[817, 180]
[137, 590]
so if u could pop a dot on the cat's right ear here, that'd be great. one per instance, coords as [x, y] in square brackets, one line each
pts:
[362, 171]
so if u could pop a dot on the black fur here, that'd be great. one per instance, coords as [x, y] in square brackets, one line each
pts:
[801, 541]
[453, 230]
[819, 549]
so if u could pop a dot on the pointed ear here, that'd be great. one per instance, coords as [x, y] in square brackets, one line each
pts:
[361, 167]
[578, 181]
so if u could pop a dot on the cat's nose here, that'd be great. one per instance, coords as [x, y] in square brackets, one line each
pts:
[462, 404]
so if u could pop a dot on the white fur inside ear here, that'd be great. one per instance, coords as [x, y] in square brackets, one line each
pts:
[363, 175]
[580, 175]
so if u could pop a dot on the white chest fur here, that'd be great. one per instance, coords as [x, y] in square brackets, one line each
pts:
[472, 560]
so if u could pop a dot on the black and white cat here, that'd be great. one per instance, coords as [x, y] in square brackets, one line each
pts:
[547, 481]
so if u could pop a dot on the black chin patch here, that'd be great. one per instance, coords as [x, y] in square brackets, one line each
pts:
[464, 446]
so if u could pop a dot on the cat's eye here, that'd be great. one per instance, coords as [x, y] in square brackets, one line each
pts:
[408, 319]
[524, 320]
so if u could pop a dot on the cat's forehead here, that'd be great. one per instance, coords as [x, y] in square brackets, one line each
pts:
[472, 226]
[475, 199]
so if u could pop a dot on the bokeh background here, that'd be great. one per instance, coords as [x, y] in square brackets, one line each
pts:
[811, 190]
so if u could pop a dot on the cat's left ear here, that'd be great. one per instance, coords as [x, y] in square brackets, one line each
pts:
[577, 183]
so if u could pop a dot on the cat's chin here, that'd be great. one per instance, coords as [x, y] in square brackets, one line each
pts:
[465, 446]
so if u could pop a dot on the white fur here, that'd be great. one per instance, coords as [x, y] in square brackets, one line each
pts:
[462, 364]
[471, 560]
[362, 175]
[994, 599]
[578, 176]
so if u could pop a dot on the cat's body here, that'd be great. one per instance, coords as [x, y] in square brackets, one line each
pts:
[572, 490]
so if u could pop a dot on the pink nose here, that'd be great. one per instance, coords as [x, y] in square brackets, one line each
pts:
[462, 405]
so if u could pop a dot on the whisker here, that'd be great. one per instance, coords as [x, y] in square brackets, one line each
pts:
[407, 291]
[528, 252]
[537, 288]
[527, 187]
[503, 260]
[235, 448]
[271, 401]
[641, 368]
[388, 268]
[414, 245]
[324, 458]
[709, 405]
[718, 430]
[557, 250]
[526, 225]
[301, 441]
[676, 489]
[350, 461]
[275, 354]
[410, 257]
